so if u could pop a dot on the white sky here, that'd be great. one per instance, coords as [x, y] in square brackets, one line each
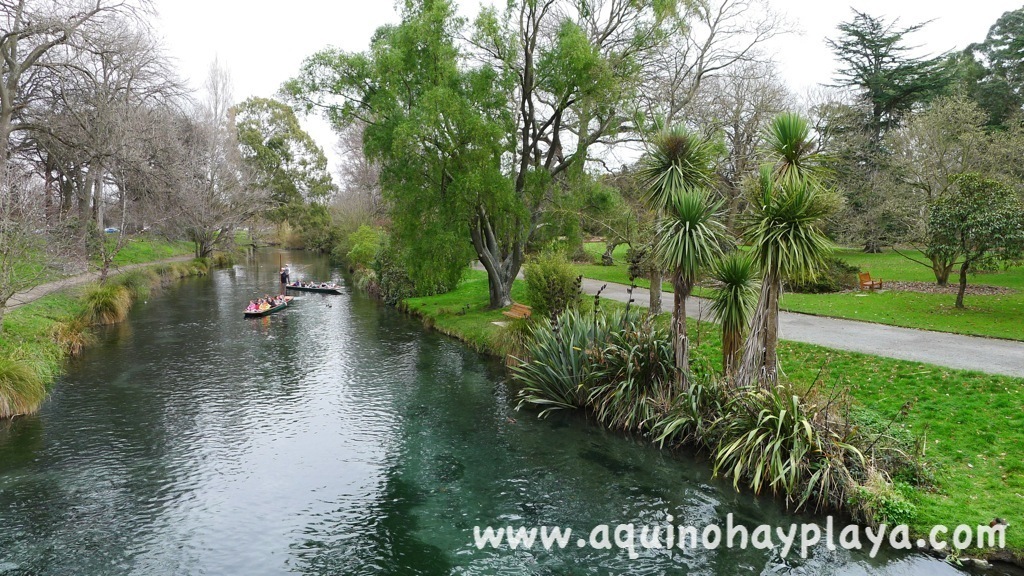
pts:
[263, 42]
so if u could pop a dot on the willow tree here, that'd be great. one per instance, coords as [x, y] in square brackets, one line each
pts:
[677, 174]
[783, 229]
[508, 117]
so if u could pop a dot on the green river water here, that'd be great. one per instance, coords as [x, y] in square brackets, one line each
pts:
[337, 437]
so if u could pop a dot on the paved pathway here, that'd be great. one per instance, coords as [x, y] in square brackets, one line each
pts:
[939, 348]
[33, 294]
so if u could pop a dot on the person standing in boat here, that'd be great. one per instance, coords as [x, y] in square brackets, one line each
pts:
[285, 273]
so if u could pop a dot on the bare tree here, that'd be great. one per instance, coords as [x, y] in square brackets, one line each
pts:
[31, 31]
[27, 246]
[214, 196]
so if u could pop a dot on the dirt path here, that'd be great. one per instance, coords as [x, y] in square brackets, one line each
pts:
[33, 294]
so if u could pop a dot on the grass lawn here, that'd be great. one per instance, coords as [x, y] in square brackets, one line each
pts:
[973, 423]
[997, 316]
[139, 249]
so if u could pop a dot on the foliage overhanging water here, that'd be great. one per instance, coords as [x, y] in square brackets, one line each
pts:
[336, 437]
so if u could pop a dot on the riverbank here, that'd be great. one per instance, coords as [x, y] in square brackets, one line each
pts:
[970, 425]
[56, 320]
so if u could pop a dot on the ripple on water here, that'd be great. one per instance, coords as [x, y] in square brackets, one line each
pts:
[338, 439]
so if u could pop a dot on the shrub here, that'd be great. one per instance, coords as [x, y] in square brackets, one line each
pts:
[22, 388]
[552, 284]
[73, 335]
[395, 284]
[557, 376]
[106, 304]
[513, 341]
[634, 376]
[365, 242]
[139, 283]
[835, 276]
[223, 260]
[880, 501]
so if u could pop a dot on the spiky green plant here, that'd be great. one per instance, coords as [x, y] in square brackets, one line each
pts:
[559, 371]
[106, 304]
[783, 229]
[733, 303]
[791, 145]
[678, 161]
[22, 388]
[676, 174]
[632, 383]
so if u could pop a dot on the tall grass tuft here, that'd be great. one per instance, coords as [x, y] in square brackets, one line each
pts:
[223, 260]
[139, 283]
[201, 266]
[22, 388]
[73, 335]
[107, 304]
[513, 341]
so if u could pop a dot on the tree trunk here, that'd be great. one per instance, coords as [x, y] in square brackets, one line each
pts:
[607, 259]
[679, 335]
[872, 246]
[732, 342]
[963, 283]
[759, 360]
[771, 336]
[97, 199]
[502, 268]
[655, 292]
[942, 269]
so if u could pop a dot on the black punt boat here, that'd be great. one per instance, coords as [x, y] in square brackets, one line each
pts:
[300, 288]
[269, 311]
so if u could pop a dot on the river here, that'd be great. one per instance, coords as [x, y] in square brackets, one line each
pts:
[336, 437]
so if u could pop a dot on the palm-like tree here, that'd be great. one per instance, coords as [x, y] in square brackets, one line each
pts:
[784, 233]
[677, 174]
[734, 303]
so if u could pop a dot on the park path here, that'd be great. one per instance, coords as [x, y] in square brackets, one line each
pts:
[989, 355]
[37, 292]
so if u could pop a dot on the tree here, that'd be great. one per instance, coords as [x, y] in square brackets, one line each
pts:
[27, 246]
[733, 304]
[980, 222]
[738, 104]
[282, 158]
[936, 145]
[877, 63]
[783, 230]
[552, 74]
[678, 174]
[213, 196]
[33, 32]
[992, 71]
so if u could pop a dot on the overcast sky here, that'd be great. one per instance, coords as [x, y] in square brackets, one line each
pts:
[263, 42]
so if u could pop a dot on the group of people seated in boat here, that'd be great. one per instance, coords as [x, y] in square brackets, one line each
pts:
[298, 284]
[265, 303]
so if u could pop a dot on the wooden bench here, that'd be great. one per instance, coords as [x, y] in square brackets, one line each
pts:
[867, 282]
[518, 311]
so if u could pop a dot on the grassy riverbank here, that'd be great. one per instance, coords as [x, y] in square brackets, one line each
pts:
[39, 336]
[971, 424]
[992, 315]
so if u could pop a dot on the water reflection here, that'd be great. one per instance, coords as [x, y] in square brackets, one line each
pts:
[335, 437]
